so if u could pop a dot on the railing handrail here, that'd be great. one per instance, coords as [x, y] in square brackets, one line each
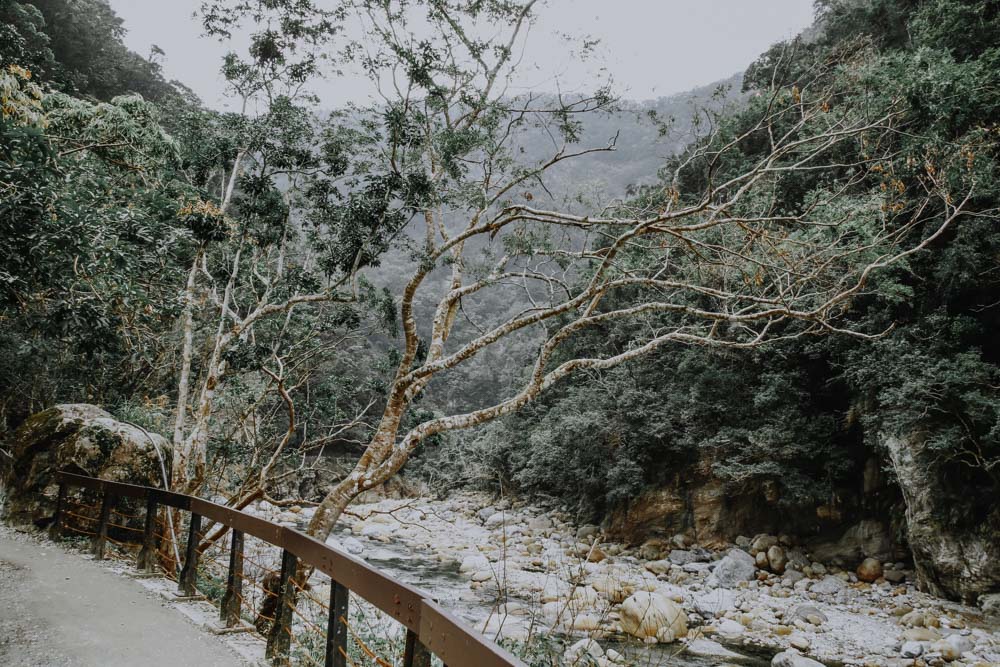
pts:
[437, 629]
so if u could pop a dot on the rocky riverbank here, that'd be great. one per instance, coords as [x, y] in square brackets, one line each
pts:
[523, 573]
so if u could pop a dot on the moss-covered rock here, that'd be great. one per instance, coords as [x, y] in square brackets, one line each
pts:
[77, 438]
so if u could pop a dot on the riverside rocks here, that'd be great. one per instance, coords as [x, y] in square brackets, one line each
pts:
[646, 615]
[792, 658]
[735, 567]
[828, 585]
[870, 570]
[776, 559]
[551, 587]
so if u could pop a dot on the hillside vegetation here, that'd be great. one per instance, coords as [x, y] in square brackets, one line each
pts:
[770, 304]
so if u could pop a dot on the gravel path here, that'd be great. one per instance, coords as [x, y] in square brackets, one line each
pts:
[60, 609]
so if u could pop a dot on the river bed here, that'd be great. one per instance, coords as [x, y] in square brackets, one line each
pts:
[524, 573]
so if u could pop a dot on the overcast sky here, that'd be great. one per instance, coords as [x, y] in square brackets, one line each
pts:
[651, 48]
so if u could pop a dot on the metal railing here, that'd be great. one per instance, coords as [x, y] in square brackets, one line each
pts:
[429, 628]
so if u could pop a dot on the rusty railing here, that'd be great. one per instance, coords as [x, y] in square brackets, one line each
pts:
[429, 628]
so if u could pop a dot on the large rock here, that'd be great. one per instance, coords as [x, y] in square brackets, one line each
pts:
[736, 566]
[952, 520]
[645, 615]
[870, 570]
[865, 539]
[828, 585]
[77, 438]
[776, 559]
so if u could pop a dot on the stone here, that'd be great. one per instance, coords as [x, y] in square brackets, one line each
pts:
[486, 513]
[583, 647]
[762, 543]
[961, 643]
[776, 559]
[729, 628]
[496, 520]
[377, 531]
[586, 622]
[913, 619]
[352, 546]
[911, 650]
[715, 603]
[474, 563]
[810, 614]
[945, 650]
[990, 604]
[596, 555]
[760, 560]
[652, 550]
[792, 658]
[78, 438]
[921, 634]
[614, 656]
[870, 570]
[828, 585]
[541, 523]
[659, 566]
[711, 649]
[482, 575]
[644, 615]
[796, 560]
[680, 557]
[792, 576]
[587, 532]
[799, 642]
[613, 588]
[734, 567]
[894, 576]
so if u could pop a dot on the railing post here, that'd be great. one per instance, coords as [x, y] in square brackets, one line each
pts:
[101, 537]
[279, 637]
[336, 626]
[146, 561]
[55, 530]
[188, 580]
[229, 610]
[415, 654]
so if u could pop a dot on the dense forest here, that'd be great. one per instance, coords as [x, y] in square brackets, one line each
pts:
[781, 291]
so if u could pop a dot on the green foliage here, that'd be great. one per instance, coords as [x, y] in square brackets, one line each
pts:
[799, 414]
[76, 46]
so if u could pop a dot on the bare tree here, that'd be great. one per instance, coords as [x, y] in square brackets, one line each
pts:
[250, 260]
[713, 259]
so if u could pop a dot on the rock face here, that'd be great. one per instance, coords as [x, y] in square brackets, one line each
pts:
[865, 539]
[645, 615]
[78, 438]
[953, 534]
[694, 501]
